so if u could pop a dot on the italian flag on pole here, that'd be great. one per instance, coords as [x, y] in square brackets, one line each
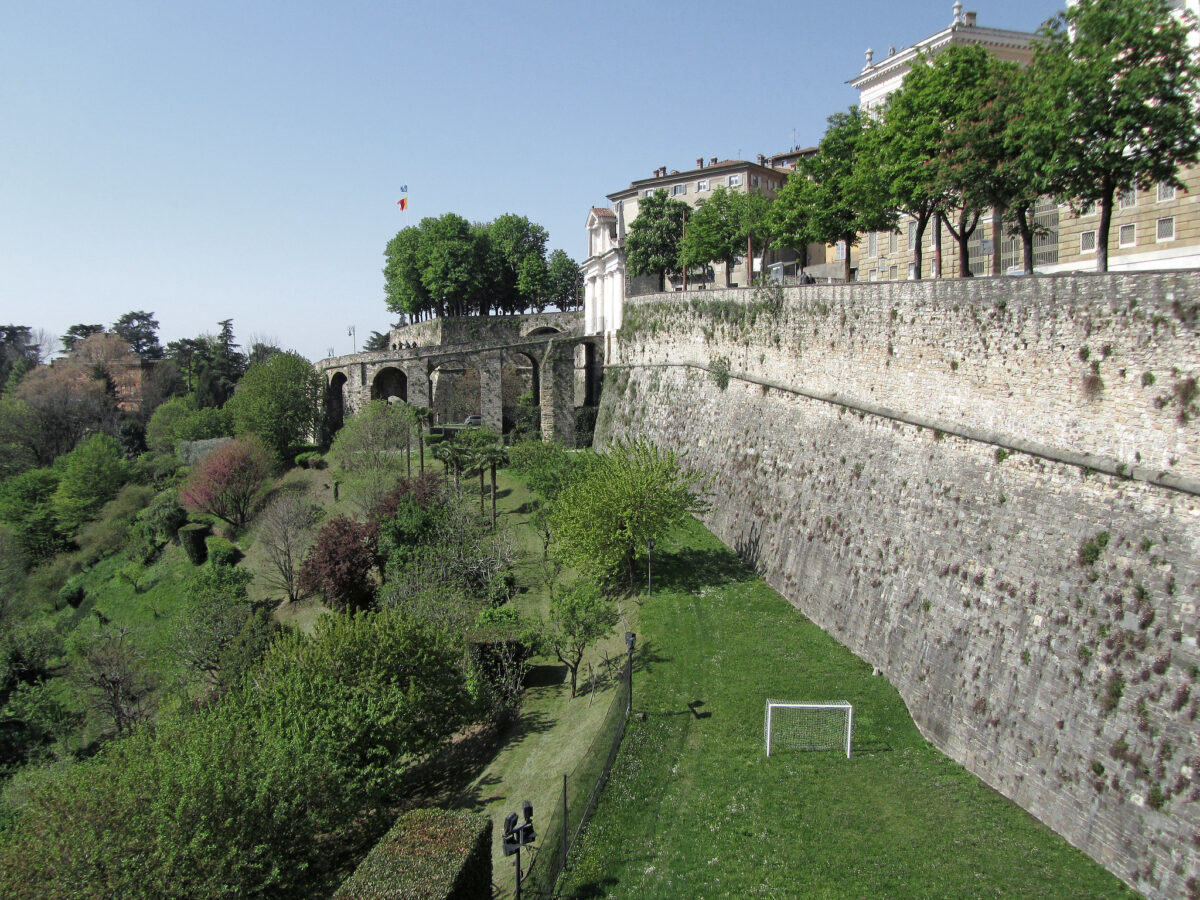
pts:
[403, 201]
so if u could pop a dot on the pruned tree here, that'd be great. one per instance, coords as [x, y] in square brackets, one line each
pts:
[227, 481]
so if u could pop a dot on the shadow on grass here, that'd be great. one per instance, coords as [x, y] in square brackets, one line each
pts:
[598, 888]
[690, 570]
[870, 747]
[545, 676]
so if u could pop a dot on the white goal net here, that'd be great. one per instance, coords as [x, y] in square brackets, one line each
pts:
[808, 726]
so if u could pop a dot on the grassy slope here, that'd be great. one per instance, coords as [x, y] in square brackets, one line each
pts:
[695, 809]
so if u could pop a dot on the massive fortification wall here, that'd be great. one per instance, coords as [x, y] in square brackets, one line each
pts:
[988, 490]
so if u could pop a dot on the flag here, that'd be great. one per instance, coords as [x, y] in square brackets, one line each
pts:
[402, 203]
[404, 188]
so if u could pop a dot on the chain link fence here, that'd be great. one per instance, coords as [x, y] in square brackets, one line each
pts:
[580, 789]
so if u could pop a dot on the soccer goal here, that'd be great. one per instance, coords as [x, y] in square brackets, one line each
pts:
[809, 726]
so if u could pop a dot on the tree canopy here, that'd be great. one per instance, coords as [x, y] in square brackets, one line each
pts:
[139, 329]
[1122, 84]
[655, 237]
[280, 401]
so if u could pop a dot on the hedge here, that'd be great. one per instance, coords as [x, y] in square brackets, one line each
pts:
[192, 538]
[429, 854]
[222, 552]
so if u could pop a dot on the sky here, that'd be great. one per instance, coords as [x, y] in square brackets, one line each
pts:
[243, 159]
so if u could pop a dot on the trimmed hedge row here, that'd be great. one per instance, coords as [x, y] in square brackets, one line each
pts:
[429, 854]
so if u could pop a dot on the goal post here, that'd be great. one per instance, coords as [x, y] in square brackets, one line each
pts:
[808, 726]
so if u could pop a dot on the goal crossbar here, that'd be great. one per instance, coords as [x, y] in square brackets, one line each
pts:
[809, 726]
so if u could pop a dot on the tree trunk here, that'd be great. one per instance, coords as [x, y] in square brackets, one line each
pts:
[1106, 203]
[937, 245]
[1025, 227]
[493, 495]
[997, 243]
[846, 239]
[968, 220]
[918, 247]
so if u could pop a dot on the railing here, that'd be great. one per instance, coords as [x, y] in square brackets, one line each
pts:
[580, 789]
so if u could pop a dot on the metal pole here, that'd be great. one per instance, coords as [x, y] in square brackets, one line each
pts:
[518, 893]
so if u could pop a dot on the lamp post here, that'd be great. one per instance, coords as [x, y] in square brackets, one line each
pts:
[517, 836]
[630, 640]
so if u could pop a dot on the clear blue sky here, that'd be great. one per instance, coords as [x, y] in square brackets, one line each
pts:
[217, 159]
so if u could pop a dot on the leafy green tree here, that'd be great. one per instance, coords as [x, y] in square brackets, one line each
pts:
[376, 342]
[579, 616]
[214, 611]
[26, 506]
[92, 474]
[18, 348]
[422, 418]
[713, 233]
[372, 439]
[517, 260]
[139, 329]
[632, 494]
[17, 424]
[180, 419]
[655, 237]
[837, 190]
[476, 449]
[403, 286]
[1123, 83]
[565, 287]
[280, 401]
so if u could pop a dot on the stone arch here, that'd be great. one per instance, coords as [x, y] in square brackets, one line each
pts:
[335, 402]
[390, 383]
[454, 389]
[520, 372]
[542, 330]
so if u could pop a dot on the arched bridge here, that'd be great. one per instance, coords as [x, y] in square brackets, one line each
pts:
[476, 366]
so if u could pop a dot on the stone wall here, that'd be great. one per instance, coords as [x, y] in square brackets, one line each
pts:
[1007, 526]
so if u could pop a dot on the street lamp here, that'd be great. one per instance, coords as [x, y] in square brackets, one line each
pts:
[517, 836]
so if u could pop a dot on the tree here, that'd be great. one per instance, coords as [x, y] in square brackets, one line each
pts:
[92, 474]
[377, 342]
[1123, 80]
[18, 347]
[423, 418]
[112, 674]
[227, 481]
[285, 531]
[839, 193]
[632, 494]
[655, 237]
[139, 329]
[579, 616]
[215, 610]
[77, 333]
[565, 281]
[713, 233]
[17, 424]
[475, 447]
[179, 419]
[517, 260]
[340, 562]
[26, 506]
[372, 439]
[67, 405]
[280, 401]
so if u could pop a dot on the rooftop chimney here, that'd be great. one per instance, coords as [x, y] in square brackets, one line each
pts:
[969, 19]
[762, 160]
[713, 161]
[699, 162]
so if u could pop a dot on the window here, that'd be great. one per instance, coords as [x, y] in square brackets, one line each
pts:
[873, 275]
[1166, 192]
[912, 235]
[1127, 198]
[702, 185]
[648, 192]
[840, 250]
[912, 271]
[678, 190]
[891, 242]
[893, 271]
[754, 182]
[735, 180]
[873, 243]
[1087, 242]
[1166, 229]
[1127, 236]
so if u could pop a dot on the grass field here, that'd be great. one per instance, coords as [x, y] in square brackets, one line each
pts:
[695, 809]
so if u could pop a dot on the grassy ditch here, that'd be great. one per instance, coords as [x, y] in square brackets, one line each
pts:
[694, 808]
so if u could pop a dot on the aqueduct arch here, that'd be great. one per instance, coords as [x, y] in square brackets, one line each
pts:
[391, 384]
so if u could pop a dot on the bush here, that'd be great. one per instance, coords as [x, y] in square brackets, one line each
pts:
[340, 562]
[310, 459]
[192, 537]
[431, 439]
[110, 530]
[73, 592]
[92, 474]
[226, 483]
[222, 552]
[429, 854]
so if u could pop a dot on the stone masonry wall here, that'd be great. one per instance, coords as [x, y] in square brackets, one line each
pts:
[1037, 615]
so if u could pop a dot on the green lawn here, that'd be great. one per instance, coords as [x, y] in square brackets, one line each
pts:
[695, 809]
